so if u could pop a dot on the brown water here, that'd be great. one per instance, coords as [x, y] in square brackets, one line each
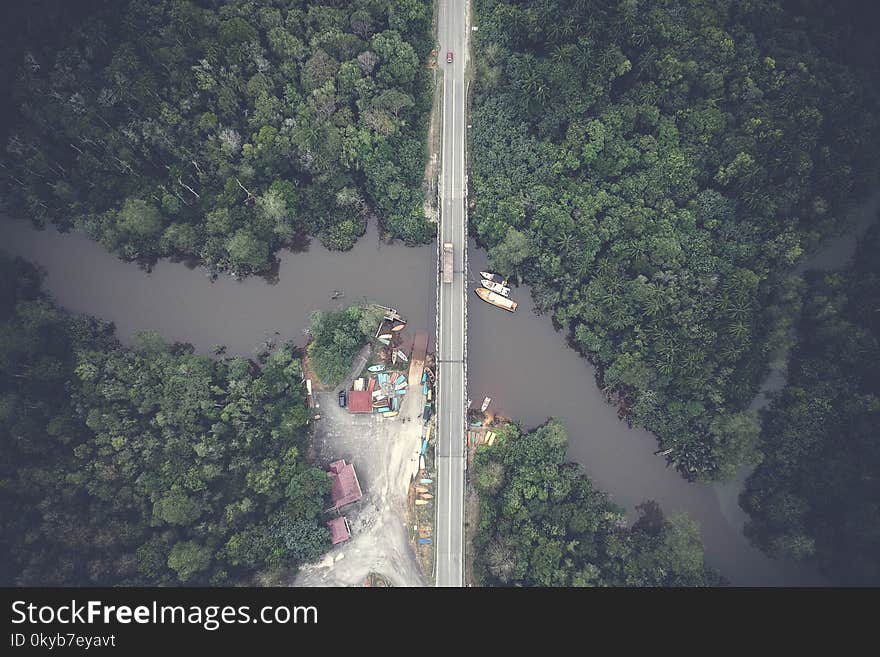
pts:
[517, 359]
[183, 304]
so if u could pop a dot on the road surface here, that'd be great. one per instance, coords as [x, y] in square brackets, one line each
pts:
[451, 402]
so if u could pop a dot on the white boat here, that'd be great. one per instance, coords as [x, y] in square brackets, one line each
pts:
[495, 278]
[496, 287]
[401, 355]
[485, 405]
[384, 341]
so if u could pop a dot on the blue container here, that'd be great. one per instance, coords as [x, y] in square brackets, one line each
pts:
[424, 541]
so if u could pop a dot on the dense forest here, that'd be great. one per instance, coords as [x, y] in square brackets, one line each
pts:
[653, 170]
[150, 465]
[219, 131]
[543, 524]
[817, 492]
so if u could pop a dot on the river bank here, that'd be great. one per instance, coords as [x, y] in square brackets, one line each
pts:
[185, 305]
[517, 359]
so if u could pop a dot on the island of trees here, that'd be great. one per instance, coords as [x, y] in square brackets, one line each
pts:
[654, 170]
[148, 465]
[543, 524]
[218, 131]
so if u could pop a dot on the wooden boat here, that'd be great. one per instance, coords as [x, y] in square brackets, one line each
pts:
[380, 403]
[384, 341]
[389, 414]
[399, 327]
[427, 496]
[496, 299]
[385, 336]
[421, 502]
[394, 358]
[496, 287]
[402, 356]
[485, 404]
[421, 489]
[376, 368]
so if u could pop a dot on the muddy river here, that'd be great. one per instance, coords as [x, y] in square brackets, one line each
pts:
[517, 359]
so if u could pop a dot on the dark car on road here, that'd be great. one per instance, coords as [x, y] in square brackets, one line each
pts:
[342, 398]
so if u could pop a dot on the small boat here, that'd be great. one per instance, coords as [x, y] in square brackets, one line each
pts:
[401, 355]
[421, 462]
[426, 481]
[378, 394]
[496, 287]
[424, 541]
[421, 502]
[385, 336]
[384, 341]
[495, 278]
[400, 386]
[389, 414]
[383, 409]
[394, 358]
[379, 403]
[427, 496]
[376, 368]
[424, 376]
[496, 299]
[399, 327]
[421, 489]
[395, 404]
[485, 404]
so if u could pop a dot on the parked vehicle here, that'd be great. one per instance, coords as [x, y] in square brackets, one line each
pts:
[342, 398]
[447, 262]
[448, 56]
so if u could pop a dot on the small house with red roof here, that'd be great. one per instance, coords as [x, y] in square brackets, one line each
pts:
[339, 530]
[345, 487]
[360, 401]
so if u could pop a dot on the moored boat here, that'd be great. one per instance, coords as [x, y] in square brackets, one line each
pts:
[376, 368]
[489, 276]
[402, 356]
[485, 405]
[496, 287]
[399, 327]
[427, 496]
[421, 502]
[496, 299]
[421, 489]
[389, 414]
[426, 481]
[384, 341]
[385, 336]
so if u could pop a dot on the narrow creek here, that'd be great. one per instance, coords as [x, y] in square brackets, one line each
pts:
[519, 360]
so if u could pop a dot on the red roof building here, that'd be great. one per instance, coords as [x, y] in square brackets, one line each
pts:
[339, 531]
[345, 487]
[360, 401]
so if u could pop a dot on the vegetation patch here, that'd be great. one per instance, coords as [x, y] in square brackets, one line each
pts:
[219, 131]
[652, 170]
[543, 524]
[150, 465]
[816, 495]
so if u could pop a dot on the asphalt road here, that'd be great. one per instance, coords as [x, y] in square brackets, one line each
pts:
[451, 398]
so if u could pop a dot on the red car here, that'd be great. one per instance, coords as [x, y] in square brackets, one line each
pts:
[448, 56]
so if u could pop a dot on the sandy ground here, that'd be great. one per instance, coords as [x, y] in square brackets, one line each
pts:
[385, 455]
